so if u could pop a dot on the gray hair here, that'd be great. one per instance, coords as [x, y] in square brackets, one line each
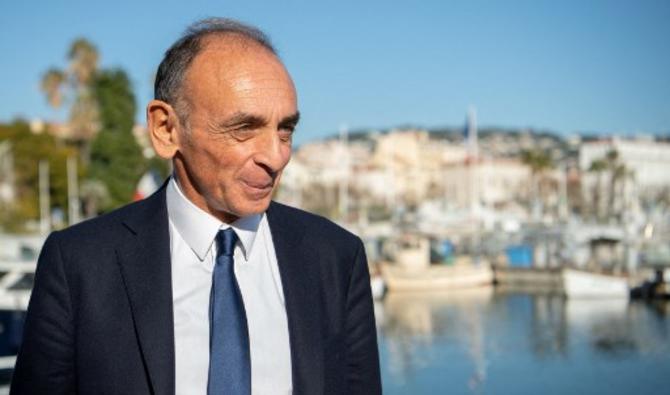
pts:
[179, 56]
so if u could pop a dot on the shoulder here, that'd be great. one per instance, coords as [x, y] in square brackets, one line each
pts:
[93, 227]
[96, 228]
[108, 229]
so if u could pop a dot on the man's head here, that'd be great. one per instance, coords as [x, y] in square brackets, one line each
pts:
[224, 112]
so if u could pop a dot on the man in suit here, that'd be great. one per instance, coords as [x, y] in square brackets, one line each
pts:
[206, 286]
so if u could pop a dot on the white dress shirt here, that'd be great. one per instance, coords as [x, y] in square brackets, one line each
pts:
[193, 251]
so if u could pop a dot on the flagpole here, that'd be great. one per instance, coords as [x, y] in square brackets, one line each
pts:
[72, 190]
[45, 204]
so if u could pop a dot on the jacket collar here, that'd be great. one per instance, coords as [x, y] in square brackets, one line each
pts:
[144, 260]
[298, 270]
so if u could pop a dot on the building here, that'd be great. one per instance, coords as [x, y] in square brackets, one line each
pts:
[621, 176]
[646, 160]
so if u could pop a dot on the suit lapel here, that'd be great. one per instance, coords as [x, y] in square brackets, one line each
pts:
[144, 259]
[296, 268]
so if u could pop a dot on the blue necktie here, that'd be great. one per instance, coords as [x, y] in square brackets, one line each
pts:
[229, 361]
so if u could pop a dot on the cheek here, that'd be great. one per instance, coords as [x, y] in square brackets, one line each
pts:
[209, 166]
[286, 153]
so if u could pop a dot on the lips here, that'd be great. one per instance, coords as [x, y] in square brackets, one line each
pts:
[259, 185]
[258, 190]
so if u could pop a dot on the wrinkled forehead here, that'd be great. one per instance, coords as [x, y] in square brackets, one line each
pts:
[229, 76]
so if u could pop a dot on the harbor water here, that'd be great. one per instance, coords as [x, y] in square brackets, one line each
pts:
[487, 341]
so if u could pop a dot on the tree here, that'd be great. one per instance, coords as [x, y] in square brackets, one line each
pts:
[116, 157]
[52, 82]
[539, 162]
[598, 166]
[618, 173]
[76, 81]
[28, 150]
[116, 102]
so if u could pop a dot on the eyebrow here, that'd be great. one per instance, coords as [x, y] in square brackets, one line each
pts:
[242, 118]
[291, 120]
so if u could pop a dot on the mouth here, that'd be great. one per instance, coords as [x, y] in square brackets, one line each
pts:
[258, 189]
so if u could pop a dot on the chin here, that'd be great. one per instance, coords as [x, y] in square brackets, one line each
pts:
[254, 208]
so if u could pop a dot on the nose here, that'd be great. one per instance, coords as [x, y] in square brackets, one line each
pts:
[273, 153]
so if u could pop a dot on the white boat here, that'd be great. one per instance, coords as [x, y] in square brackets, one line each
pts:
[583, 284]
[16, 284]
[18, 261]
[412, 271]
[437, 277]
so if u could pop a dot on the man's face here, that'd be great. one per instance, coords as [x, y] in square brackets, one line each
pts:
[242, 110]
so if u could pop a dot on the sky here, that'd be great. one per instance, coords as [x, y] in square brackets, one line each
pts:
[568, 66]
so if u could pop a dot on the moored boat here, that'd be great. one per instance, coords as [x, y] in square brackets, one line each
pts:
[583, 284]
[437, 277]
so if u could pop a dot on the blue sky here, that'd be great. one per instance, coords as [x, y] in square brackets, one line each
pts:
[568, 66]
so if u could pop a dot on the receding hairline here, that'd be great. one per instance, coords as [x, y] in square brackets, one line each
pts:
[234, 40]
[231, 44]
[232, 47]
[179, 57]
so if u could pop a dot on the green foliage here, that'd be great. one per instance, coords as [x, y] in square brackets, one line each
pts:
[115, 99]
[116, 157]
[102, 104]
[538, 160]
[117, 161]
[597, 166]
[27, 150]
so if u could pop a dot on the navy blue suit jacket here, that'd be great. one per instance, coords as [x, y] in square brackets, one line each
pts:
[100, 318]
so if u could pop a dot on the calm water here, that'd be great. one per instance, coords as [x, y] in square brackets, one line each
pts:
[494, 342]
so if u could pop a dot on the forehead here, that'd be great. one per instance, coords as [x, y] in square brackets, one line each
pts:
[236, 67]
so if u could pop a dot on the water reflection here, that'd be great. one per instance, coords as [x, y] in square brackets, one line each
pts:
[413, 322]
[512, 341]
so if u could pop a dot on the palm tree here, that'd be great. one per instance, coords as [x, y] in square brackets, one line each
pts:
[83, 58]
[616, 170]
[77, 81]
[539, 162]
[84, 112]
[52, 86]
[598, 166]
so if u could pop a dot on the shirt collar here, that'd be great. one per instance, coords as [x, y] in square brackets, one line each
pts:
[199, 228]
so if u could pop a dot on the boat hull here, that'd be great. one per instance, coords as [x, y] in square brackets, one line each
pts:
[436, 277]
[582, 284]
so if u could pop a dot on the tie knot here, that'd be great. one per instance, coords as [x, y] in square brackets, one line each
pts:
[226, 240]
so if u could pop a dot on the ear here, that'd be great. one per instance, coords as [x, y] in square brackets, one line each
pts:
[163, 125]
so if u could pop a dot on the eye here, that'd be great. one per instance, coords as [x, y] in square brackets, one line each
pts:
[242, 132]
[286, 132]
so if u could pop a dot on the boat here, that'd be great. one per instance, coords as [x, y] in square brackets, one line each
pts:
[584, 284]
[437, 277]
[411, 269]
[656, 260]
[18, 261]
